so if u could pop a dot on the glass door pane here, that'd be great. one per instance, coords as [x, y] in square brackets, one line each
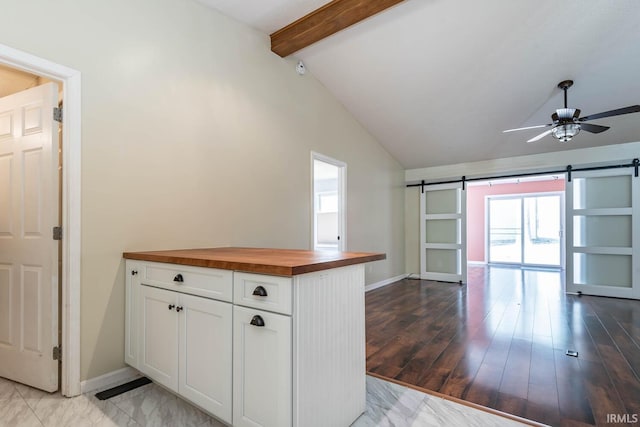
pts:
[505, 230]
[542, 227]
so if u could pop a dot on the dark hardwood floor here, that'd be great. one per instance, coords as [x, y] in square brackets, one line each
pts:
[500, 341]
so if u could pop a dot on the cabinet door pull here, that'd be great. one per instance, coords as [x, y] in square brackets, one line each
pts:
[171, 306]
[257, 321]
[260, 291]
[134, 272]
[178, 278]
[179, 309]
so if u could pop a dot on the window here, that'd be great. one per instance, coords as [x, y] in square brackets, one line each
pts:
[328, 185]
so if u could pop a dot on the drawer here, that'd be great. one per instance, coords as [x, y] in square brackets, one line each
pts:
[206, 282]
[270, 293]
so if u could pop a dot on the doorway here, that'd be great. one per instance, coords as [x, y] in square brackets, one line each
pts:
[517, 221]
[525, 229]
[328, 178]
[71, 203]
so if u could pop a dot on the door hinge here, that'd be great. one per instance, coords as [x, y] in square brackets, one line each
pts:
[57, 233]
[57, 353]
[57, 114]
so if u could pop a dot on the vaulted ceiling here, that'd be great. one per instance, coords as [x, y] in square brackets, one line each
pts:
[437, 81]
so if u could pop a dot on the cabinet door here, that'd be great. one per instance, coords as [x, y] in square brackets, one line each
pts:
[132, 283]
[158, 340]
[262, 371]
[205, 354]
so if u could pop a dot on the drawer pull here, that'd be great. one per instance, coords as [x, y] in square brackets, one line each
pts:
[179, 309]
[171, 306]
[257, 321]
[178, 278]
[260, 291]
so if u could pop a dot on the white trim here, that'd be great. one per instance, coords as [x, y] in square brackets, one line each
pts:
[451, 246]
[113, 378]
[441, 216]
[603, 212]
[385, 282]
[71, 197]
[602, 250]
[476, 263]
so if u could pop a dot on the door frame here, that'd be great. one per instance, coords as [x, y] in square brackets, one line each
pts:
[522, 196]
[342, 199]
[71, 206]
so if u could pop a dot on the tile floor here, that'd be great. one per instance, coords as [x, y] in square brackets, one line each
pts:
[388, 404]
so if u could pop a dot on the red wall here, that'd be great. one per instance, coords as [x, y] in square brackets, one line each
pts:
[476, 209]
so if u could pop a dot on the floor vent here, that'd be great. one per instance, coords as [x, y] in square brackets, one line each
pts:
[122, 388]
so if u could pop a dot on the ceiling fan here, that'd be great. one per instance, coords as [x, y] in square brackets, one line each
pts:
[567, 121]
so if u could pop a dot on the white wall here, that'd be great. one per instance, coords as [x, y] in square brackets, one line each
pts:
[610, 154]
[195, 135]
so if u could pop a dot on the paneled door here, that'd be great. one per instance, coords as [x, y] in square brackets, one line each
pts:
[603, 212]
[29, 199]
[443, 233]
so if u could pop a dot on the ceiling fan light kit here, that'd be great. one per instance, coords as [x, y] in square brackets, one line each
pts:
[567, 122]
[564, 133]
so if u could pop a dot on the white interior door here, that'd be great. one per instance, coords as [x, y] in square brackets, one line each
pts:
[443, 233]
[29, 197]
[602, 233]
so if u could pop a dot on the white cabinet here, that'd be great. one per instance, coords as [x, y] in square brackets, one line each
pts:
[132, 287]
[270, 293]
[158, 338]
[181, 341]
[262, 370]
[251, 349]
[204, 373]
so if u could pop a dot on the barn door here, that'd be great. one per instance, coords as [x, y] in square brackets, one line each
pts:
[443, 227]
[29, 197]
[602, 233]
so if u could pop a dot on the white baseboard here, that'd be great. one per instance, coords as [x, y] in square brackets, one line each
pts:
[113, 378]
[384, 283]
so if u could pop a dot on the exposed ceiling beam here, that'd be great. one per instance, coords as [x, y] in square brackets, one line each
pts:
[323, 22]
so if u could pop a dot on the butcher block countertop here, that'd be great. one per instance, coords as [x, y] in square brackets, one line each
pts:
[280, 262]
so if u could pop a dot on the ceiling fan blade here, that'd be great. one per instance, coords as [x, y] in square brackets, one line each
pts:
[542, 135]
[618, 112]
[593, 128]
[528, 127]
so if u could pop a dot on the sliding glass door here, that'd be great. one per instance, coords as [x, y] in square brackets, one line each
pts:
[525, 229]
[505, 230]
[542, 236]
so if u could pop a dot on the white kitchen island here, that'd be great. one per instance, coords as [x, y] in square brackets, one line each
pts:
[255, 337]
